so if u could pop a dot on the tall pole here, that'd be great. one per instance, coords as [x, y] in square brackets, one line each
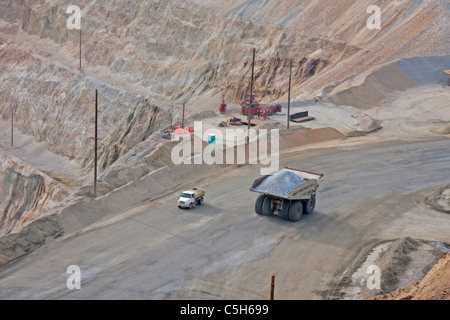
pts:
[12, 125]
[171, 117]
[272, 288]
[289, 96]
[80, 49]
[95, 144]
[251, 94]
[182, 119]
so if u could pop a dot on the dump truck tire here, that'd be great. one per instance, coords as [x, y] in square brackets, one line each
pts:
[285, 210]
[259, 203]
[200, 201]
[266, 210]
[309, 205]
[295, 211]
[191, 205]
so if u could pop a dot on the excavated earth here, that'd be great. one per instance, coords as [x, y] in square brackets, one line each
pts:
[146, 59]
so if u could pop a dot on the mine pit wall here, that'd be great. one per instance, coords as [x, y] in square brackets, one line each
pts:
[271, 73]
[56, 105]
[25, 194]
[144, 122]
[179, 49]
[199, 51]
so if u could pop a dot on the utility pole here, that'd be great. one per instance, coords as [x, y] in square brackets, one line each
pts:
[171, 117]
[289, 96]
[80, 48]
[251, 99]
[272, 288]
[95, 143]
[12, 125]
[182, 119]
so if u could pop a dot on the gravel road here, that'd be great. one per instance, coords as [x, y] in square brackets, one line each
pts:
[224, 250]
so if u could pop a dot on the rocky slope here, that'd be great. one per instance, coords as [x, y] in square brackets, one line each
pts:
[26, 193]
[187, 51]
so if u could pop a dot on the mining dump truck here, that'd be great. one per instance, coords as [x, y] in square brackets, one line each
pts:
[191, 198]
[289, 193]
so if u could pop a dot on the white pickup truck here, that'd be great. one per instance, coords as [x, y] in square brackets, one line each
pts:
[191, 198]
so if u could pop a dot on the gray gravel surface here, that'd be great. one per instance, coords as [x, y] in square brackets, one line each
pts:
[224, 250]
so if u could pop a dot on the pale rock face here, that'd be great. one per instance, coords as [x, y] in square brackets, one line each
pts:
[26, 193]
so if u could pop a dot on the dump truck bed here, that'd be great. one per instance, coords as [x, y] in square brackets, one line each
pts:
[288, 183]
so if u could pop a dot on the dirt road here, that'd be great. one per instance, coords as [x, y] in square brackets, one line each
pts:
[223, 250]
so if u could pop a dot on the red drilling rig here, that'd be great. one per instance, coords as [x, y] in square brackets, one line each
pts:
[257, 109]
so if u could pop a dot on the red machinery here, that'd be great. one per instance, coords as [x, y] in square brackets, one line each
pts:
[223, 107]
[257, 109]
[245, 105]
[270, 110]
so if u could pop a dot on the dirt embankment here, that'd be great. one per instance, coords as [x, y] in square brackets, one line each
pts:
[383, 84]
[385, 268]
[434, 286]
[410, 269]
[402, 262]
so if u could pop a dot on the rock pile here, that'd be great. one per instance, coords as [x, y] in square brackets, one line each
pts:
[280, 184]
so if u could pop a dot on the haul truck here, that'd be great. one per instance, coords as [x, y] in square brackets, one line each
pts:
[191, 198]
[289, 193]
